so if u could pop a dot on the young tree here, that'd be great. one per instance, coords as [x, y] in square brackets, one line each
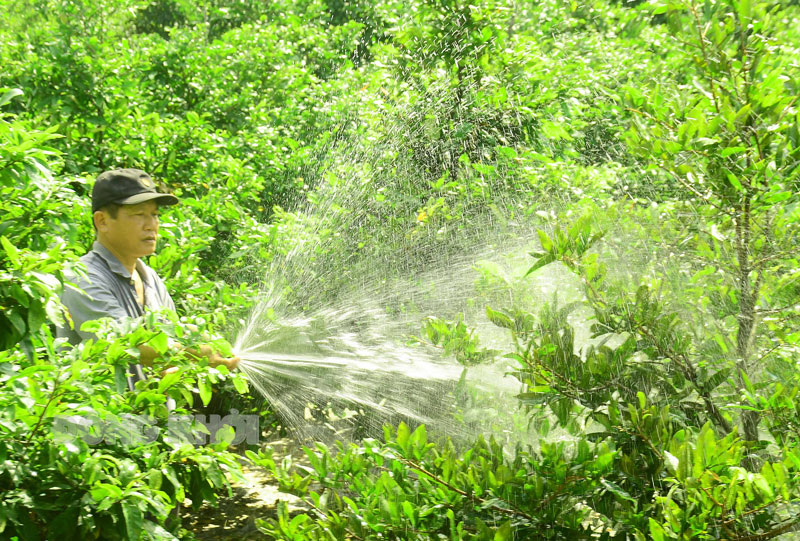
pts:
[728, 134]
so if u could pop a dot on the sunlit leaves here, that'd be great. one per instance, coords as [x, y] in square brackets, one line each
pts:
[456, 339]
[478, 486]
[35, 238]
[73, 432]
[722, 132]
[567, 246]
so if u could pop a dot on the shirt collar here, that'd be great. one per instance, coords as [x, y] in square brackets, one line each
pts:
[115, 264]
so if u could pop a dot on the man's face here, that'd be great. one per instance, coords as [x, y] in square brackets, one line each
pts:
[133, 233]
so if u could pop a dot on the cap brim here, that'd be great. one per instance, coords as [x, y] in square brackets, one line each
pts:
[160, 198]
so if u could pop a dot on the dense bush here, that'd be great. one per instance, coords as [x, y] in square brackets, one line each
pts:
[121, 478]
[54, 483]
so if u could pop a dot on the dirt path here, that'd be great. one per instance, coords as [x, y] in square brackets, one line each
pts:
[255, 498]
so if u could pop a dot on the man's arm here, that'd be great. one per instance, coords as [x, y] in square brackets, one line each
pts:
[149, 354]
[96, 302]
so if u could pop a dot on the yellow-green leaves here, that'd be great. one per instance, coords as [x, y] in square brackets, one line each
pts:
[566, 245]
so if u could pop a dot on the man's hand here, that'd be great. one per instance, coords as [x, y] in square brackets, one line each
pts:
[214, 358]
[148, 354]
[170, 370]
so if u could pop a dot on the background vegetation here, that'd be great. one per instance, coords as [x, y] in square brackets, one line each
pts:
[656, 144]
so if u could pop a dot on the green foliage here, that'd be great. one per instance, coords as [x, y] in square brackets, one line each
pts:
[456, 339]
[711, 495]
[728, 135]
[646, 380]
[119, 479]
[411, 488]
[35, 237]
[399, 488]
[566, 246]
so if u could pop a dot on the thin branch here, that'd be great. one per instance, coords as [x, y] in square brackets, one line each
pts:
[770, 534]
[686, 367]
[702, 37]
[768, 352]
[750, 512]
[39, 422]
[544, 503]
[695, 192]
[511, 511]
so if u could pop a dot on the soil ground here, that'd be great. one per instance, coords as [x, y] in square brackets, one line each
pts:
[256, 498]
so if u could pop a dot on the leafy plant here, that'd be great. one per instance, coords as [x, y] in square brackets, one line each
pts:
[728, 135]
[84, 456]
[34, 237]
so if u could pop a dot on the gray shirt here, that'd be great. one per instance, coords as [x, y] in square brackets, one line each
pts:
[110, 292]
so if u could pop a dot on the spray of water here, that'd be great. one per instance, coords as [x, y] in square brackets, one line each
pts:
[350, 354]
[350, 282]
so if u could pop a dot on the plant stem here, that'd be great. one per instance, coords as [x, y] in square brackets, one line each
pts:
[506, 511]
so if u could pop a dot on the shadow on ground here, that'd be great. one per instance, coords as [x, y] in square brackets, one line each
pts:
[255, 498]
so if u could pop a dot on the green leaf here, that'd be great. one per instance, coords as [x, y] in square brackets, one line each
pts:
[120, 379]
[403, 435]
[204, 388]
[17, 321]
[731, 150]
[671, 461]
[616, 490]
[168, 380]
[134, 520]
[763, 486]
[706, 142]
[734, 181]
[715, 380]
[555, 131]
[504, 533]
[541, 262]
[657, 532]
[581, 229]
[545, 241]
[562, 409]
[169, 473]
[500, 319]
[160, 342]
[420, 436]
[154, 479]
[298, 521]
[36, 316]
[103, 491]
[748, 385]
[240, 384]
[408, 509]
[351, 504]
[99, 493]
[745, 8]
[10, 95]
[224, 436]
[10, 250]
[777, 197]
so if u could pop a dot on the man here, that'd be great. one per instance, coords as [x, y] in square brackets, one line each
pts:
[125, 207]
